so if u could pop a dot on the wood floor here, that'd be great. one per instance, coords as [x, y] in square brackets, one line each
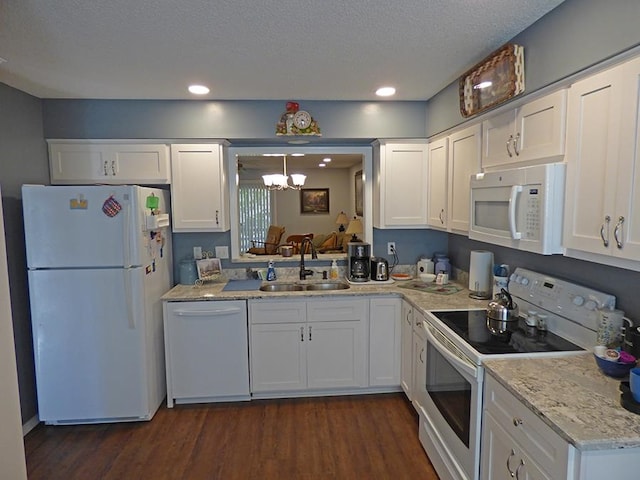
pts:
[359, 437]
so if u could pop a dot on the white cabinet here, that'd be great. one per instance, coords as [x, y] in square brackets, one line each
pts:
[452, 161]
[406, 362]
[602, 212]
[400, 184]
[532, 132]
[384, 341]
[518, 444]
[300, 344]
[206, 351]
[81, 162]
[199, 193]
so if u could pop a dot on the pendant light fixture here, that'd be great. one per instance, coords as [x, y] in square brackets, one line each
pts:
[278, 181]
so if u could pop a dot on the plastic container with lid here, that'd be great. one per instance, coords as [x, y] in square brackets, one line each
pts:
[442, 265]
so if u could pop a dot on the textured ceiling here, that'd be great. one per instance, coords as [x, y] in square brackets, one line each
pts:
[251, 49]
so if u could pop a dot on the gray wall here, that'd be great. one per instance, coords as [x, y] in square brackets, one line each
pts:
[572, 37]
[23, 159]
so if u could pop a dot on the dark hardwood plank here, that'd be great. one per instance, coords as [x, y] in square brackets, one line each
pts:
[367, 436]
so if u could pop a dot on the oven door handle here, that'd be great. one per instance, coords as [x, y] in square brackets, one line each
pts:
[465, 366]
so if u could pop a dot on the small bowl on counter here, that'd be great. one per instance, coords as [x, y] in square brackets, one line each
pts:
[427, 277]
[615, 367]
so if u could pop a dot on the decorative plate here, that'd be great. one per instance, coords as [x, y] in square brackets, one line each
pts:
[401, 276]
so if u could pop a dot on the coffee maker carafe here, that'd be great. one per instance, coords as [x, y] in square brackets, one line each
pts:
[359, 254]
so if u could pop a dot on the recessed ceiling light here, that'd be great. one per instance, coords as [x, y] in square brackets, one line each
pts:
[297, 154]
[198, 89]
[2, 60]
[326, 160]
[385, 91]
[322, 164]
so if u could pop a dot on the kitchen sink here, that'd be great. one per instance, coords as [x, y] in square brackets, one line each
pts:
[297, 287]
[282, 287]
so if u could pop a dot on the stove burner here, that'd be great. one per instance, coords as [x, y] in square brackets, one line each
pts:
[471, 326]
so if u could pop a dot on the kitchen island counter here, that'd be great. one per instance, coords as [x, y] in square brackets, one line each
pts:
[573, 397]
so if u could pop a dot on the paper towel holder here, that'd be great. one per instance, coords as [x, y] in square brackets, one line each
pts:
[480, 274]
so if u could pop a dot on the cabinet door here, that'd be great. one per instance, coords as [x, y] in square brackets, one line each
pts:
[592, 156]
[278, 357]
[406, 365]
[464, 161]
[384, 341]
[335, 354]
[502, 458]
[403, 186]
[438, 181]
[94, 162]
[206, 350]
[540, 128]
[627, 212]
[140, 163]
[199, 197]
[497, 139]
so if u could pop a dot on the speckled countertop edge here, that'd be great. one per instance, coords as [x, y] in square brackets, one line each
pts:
[573, 397]
[423, 301]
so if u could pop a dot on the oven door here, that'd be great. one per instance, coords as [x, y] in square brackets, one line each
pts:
[451, 395]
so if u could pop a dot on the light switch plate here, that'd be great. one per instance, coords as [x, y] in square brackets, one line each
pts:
[222, 252]
[197, 253]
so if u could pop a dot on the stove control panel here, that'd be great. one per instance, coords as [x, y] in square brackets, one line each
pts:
[569, 300]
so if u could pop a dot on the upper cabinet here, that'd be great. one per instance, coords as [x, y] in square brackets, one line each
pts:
[534, 131]
[400, 184]
[452, 161]
[602, 202]
[84, 162]
[199, 193]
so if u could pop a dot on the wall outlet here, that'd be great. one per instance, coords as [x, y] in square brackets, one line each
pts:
[222, 252]
[391, 248]
[197, 253]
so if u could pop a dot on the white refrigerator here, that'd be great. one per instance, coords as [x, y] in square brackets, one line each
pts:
[99, 259]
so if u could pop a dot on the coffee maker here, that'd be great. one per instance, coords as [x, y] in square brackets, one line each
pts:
[359, 254]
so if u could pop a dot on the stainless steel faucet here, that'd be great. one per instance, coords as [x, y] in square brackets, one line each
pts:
[304, 272]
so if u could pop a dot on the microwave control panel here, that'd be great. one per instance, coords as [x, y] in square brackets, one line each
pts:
[531, 217]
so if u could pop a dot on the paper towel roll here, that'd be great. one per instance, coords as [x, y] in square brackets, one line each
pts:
[480, 274]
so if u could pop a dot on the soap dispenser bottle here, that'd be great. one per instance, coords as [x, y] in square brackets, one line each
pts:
[333, 273]
[271, 272]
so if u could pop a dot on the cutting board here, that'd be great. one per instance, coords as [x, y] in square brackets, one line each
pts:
[239, 285]
[431, 287]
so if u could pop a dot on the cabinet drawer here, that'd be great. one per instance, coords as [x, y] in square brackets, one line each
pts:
[535, 437]
[275, 311]
[336, 310]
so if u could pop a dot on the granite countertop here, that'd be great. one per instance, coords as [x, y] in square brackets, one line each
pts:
[423, 301]
[573, 397]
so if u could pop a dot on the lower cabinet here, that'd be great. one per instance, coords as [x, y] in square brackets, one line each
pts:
[300, 344]
[206, 351]
[518, 444]
[406, 349]
[384, 341]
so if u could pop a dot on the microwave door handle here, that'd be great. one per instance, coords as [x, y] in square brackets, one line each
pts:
[515, 191]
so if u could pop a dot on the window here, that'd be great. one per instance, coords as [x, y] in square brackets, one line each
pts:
[255, 213]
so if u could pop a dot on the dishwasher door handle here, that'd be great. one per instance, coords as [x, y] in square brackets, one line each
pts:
[207, 313]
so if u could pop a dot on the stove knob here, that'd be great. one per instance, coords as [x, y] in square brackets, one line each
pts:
[524, 281]
[591, 305]
[518, 279]
[578, 300]
[512, 277]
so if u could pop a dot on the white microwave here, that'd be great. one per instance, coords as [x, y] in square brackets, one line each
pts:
[520, 208]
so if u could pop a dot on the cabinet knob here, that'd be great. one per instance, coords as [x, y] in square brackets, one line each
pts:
[520, 465]
[302, 334]
[617, 230]
[509, 145]
[113, 167]
[605, 241]
[517, 422]
[217, 217]
[515, 144]
[104, 168]
[309, 332]
[512, 473]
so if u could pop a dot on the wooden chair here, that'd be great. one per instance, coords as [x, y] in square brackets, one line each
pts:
[296, 240]
[270, 244]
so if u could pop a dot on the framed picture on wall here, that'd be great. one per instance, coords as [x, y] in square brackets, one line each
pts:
[314, 200]
[359, 187]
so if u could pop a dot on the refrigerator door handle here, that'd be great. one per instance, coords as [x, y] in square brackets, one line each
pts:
[128, 293]
[126, 231]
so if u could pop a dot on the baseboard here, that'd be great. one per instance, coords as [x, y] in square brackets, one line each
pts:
[30, 425]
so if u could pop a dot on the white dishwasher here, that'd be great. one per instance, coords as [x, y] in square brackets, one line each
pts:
[206, 351]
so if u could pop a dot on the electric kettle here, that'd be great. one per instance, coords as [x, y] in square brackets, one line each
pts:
[379, 269]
